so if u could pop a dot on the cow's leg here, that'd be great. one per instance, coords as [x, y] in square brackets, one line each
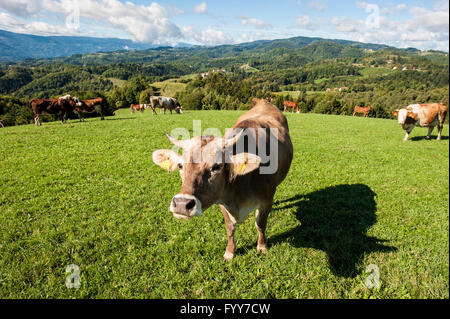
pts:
[439, 128]
[261, 222]
[230, 224]
[430, 129]
[407, 132]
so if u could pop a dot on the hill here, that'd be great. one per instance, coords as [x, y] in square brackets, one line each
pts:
[89, 194]
[17, 46]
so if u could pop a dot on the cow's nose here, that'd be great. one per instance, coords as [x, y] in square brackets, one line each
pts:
[184, 205]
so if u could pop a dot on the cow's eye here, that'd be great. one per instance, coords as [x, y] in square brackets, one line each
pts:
[180, 166]
[215, 168]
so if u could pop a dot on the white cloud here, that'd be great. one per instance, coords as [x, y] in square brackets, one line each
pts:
[401, 7]
[345, 24]
[304, 22]
[257, 23]
[317, 6]
[10, 23]
[201, 8]
[436, 21]
[20, 7]
[177, 10]
[209, 36]
[426, 29]
[144, 23]
[362, 5]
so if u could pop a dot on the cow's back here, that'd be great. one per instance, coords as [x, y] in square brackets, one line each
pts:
[266, 116]
[428, 113]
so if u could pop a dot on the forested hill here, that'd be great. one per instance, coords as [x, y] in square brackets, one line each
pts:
[323, 76]
[17, 46]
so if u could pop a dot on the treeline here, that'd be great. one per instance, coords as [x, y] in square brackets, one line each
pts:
[218, 92]
[383, 102]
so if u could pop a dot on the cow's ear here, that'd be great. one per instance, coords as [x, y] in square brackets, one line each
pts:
[244, 163]
[395, 112]
[166, 159]
[413, 115]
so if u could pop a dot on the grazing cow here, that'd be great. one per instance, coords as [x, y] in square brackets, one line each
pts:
[62, 105]
[424, 115]
[137, 107]
[231, 172]
[165, 103]
[255, 100]
[291, 105]
[89, 106]
[362, 110]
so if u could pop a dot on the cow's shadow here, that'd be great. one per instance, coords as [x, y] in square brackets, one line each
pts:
[334, 220]
[433, 138]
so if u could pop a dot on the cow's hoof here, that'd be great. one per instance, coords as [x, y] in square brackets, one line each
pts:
[228, 256]
[261, 248]
[428, 138]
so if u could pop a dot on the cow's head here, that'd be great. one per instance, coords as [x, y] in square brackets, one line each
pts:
[405, 116]
[206, 167]
[178, 107]
[77, 101]
[66, 101]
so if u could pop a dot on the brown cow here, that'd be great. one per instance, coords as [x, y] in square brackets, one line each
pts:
[291, 105]
[424, 115]
[255, 100]
[237, 175]
[137, 107]
[362, 110]
[62, 105]
[89, 106]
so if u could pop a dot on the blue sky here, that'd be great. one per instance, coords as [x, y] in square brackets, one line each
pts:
[420, 24]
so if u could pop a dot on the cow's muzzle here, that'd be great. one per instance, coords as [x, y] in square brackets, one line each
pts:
[184, 206]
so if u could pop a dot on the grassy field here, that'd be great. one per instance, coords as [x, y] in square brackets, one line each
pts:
[170, 87]
[89, 194]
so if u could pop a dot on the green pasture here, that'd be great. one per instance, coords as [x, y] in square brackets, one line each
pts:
[357, 199]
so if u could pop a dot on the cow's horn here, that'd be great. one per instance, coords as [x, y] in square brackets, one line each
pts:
[184, 144]
[231, 141]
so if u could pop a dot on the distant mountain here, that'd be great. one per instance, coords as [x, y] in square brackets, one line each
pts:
[17, 46]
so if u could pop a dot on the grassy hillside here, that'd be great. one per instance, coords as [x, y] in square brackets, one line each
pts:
[88, 194]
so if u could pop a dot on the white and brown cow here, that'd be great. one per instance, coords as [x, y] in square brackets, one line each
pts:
[230, 172]
[89, 106]
[424, 115]
[165, 103]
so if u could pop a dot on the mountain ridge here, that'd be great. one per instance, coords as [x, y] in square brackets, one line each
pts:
[18, 46]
